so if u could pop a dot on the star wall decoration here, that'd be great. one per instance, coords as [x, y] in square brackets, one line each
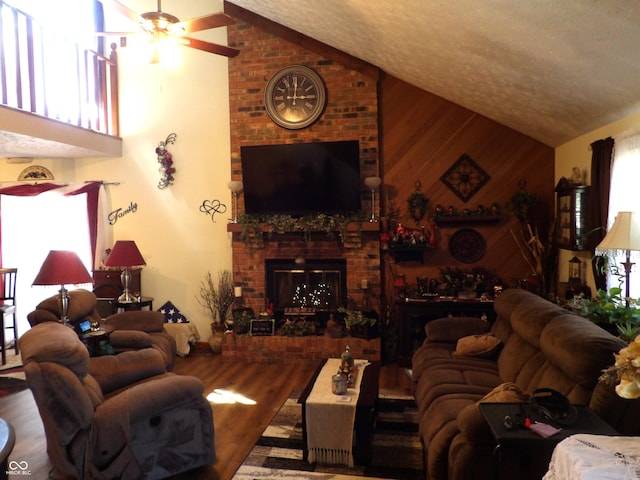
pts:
[465, 177]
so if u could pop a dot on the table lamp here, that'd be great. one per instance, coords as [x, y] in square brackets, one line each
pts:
[59, 268]
[125, 254]
[622, 238]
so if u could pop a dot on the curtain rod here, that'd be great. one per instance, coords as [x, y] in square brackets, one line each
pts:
[102, 182]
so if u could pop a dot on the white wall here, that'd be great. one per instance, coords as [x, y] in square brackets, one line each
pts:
[179, 243]
[577, 153]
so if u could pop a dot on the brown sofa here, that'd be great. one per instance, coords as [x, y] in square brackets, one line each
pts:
[541, 345]
[125, 417]
[131, 330]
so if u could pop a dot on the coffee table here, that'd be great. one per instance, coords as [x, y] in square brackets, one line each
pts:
[366, 410]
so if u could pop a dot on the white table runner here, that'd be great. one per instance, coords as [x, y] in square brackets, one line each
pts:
[330, 418]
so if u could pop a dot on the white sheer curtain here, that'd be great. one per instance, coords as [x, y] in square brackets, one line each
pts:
[33, 225]
[624, 197]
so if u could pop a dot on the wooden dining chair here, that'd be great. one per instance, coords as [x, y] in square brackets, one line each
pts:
[8, 308]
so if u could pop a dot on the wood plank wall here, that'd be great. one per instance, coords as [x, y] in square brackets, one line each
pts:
[421, 136]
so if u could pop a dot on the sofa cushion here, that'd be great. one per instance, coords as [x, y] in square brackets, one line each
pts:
[485, 346]
[451, 329]
[579, 348]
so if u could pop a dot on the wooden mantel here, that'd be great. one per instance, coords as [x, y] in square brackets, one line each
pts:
[352, 227]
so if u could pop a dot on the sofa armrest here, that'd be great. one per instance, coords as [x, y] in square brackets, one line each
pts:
[118, 420]
[143, 320]
[116, 371]
[129, 339]
[451, 329]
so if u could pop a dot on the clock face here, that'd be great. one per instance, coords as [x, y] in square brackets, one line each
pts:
[295, 97]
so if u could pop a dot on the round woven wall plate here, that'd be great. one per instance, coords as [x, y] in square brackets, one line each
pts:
[467, 245]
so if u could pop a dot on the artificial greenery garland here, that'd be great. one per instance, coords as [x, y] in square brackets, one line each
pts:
[253, 226]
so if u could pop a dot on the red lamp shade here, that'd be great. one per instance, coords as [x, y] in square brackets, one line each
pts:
[62, 267]
[125, 253]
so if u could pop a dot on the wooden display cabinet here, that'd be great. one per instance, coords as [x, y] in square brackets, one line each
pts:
[572, 217]
[107, 283]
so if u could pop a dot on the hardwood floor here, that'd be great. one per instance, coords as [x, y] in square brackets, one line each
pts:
[237, 427]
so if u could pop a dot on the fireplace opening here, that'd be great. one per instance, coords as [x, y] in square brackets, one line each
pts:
[309, 285]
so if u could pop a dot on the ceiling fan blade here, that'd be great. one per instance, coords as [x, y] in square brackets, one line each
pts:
[204, 23]
[122, 9]
[115, 34]
[210, 47]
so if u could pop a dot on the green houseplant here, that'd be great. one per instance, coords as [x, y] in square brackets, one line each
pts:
[357, 323]
[610, 311]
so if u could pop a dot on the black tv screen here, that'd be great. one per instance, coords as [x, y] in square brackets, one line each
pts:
[302, 178]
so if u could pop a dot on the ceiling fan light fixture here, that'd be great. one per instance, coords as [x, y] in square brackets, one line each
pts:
[157, 21]
[165, 51]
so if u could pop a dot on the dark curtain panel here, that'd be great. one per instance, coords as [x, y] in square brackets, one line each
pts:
[601, 160]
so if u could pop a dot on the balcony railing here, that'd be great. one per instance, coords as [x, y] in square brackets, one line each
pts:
[47, 74]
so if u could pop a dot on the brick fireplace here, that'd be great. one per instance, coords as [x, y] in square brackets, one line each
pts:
[361, 262]
[359, 265]
[351, 114]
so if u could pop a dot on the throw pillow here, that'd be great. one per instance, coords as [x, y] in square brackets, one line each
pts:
[471, 421]
[172, 314]
[484, 346]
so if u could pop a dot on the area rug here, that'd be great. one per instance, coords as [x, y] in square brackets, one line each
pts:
[397, 453]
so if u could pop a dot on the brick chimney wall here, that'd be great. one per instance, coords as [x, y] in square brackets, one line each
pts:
[351, 113]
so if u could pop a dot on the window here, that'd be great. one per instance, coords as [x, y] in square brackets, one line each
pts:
[624, 182]
[49, 221]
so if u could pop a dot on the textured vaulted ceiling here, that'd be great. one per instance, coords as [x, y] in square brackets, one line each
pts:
[552, 69]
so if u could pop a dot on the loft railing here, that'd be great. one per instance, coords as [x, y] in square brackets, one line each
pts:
[47, 74]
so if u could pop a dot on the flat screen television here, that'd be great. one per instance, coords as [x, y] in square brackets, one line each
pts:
[302, 178]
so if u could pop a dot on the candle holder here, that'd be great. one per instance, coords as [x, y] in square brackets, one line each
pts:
[373, 183]
[236, 187]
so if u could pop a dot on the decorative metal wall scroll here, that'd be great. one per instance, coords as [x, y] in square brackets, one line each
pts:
[211, 207]
[465, 177]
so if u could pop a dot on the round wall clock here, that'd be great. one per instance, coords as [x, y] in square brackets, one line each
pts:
[467, 245]
[295, 97]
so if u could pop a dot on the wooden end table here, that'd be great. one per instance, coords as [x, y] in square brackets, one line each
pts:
[93, 338]
[366, 411]
[143, 302]
[523, 440]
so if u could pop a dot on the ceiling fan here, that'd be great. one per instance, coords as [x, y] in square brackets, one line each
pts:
[161, 25]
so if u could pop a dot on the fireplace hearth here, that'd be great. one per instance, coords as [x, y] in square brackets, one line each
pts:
[317, 285]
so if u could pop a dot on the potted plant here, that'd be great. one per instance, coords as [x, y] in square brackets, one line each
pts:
[610, 311]
[417, 203]
[217, 299]
[242, 320]
[358, 324]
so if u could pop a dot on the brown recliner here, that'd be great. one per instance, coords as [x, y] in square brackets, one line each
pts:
[131, 330]
[132, 420]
